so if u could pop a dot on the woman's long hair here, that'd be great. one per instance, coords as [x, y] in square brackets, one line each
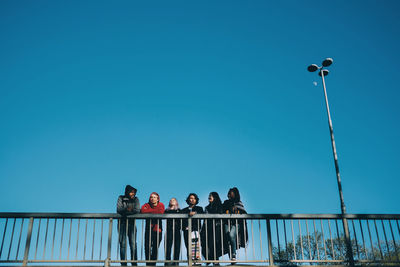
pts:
[236, 193]
[216, 205]
[217, 200]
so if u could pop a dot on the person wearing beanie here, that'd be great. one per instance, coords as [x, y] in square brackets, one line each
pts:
[153, 232]
[128, 204]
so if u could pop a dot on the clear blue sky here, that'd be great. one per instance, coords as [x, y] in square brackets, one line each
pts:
[198, 96]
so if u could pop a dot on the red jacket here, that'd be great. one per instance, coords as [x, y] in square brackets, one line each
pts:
[159, 209]
[147, 208]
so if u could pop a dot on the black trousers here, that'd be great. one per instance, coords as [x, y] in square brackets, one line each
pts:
[152, 241]
[173, 240]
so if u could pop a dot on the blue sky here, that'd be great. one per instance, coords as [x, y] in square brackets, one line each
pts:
[198, 96]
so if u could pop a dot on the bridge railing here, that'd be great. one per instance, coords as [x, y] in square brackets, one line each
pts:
[270, 239]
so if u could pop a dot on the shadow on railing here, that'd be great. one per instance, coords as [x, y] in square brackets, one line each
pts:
[267, 239]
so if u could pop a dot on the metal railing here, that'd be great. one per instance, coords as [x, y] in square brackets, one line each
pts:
[49, 239]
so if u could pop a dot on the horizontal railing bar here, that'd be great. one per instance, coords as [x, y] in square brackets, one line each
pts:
[199, 216]
[236, 265]
[374, 261]
[319, 257]
[302, 261]
[99, 264]
[59, 215]
[328, 261]
[151, 261]
[229, 261]
[148, 261]
[66, 261]
[83, 265]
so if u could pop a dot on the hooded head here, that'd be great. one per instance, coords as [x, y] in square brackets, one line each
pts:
[129, 189]
[151, 198]
[234, 194]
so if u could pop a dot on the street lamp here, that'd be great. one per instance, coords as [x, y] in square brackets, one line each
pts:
[324, 72]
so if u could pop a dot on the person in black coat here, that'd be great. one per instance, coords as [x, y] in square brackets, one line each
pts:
[173, 232]
[235, 229]
[192, 200]
[211, 231]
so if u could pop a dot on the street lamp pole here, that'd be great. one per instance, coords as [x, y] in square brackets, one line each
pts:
[339, 181]
[324, 72]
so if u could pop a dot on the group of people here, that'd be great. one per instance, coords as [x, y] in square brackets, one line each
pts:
[217, 236]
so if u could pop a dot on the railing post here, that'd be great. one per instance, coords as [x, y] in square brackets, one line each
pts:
[349, 248]
[28, 242]
[107, 261]
[190, 260]
[271, 255]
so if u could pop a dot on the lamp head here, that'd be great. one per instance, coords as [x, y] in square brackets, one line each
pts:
[325, 72]
[312, 68]
[327, 62]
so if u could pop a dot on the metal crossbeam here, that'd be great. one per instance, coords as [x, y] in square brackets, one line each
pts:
[73, 239]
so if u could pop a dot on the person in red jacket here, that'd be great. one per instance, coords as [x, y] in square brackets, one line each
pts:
[153, 232]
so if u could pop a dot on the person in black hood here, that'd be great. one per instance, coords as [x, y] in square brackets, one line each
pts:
[233, 227]
[128, 204]
[211, 247]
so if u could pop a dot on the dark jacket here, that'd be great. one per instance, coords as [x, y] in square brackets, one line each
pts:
[170, 222]
[211, 233]
[236, 207]
[124, 203]
[196, 223]
[231, 207]
[213, 208]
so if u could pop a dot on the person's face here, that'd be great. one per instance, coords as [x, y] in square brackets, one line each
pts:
[231, 195]
[132, 194]
[192, 200]
[210, 198]
[173, 202]
[153, 199]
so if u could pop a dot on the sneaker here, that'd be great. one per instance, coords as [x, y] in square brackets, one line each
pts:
[233, 258]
